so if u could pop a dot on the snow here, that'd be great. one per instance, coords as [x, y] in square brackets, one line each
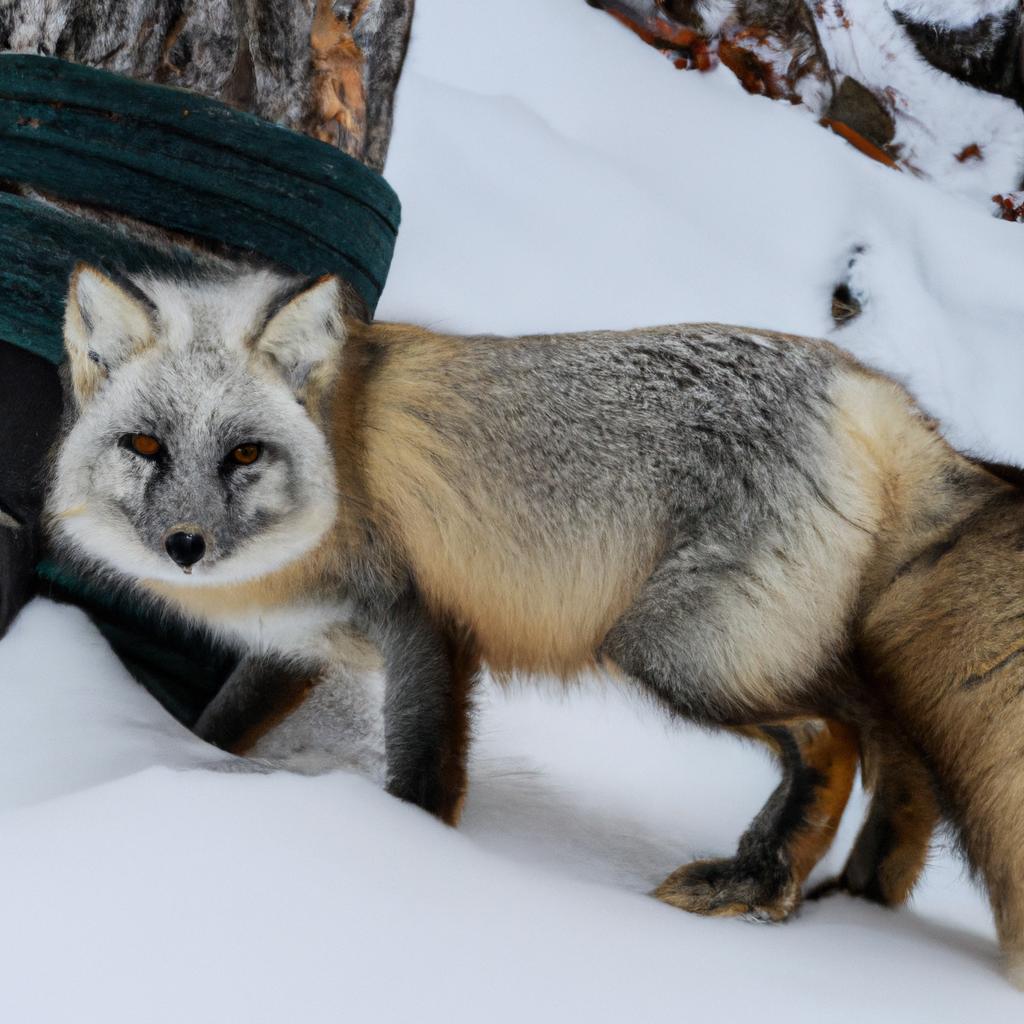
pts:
[937, 118]
[967, 140]
[555, 174]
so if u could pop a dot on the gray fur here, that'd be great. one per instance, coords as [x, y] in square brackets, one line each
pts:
[202, 388]
[338, 724]
[192, 484]
[710, 443]
[680, 428]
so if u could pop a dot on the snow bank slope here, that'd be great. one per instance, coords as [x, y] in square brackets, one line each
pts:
[166, 896]
[567, 178]
[555, 174]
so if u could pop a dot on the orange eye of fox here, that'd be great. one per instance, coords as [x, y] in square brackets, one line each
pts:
[245, 454]
[144, 445]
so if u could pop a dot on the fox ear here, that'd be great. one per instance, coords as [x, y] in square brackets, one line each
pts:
[304, 335]
[104, 326]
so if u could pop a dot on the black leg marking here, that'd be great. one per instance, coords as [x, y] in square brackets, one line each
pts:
[763, 881]
[261, 692]
[427, 708]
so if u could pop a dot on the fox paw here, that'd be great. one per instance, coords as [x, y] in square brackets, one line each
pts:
[868, 888]
[728, 888]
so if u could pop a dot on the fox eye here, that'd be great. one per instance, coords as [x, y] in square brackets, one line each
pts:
[142, 444]
[245, 454]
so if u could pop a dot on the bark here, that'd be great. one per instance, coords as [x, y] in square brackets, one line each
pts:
[328, 69]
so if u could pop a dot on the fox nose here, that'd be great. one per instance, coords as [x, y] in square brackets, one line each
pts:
[185, 548]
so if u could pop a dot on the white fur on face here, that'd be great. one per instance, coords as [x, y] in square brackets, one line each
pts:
[202, 388]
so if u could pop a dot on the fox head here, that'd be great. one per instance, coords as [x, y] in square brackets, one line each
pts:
[195, 445]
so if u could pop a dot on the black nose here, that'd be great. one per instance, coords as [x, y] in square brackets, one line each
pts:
[185, 548]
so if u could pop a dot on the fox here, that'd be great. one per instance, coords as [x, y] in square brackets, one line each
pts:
[708, 514]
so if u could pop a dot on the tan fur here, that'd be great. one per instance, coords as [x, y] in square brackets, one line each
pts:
[552, 607]
[903, 466]
[801, 609]
[833, 749]
[946, 642]
[279, 589]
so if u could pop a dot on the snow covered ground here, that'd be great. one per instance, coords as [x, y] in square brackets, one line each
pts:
[555, 174]
[938, 119]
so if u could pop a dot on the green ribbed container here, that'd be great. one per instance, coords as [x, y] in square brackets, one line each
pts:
[209, 177]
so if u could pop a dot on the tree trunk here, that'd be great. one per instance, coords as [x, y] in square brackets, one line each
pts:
[322, 68]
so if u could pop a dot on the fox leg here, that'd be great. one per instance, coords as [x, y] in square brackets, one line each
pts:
[430, 673]
[701, 638]
[890, 851]
[794, 829]
[261, 692]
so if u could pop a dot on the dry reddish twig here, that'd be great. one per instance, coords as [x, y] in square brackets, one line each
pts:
[858, 141]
